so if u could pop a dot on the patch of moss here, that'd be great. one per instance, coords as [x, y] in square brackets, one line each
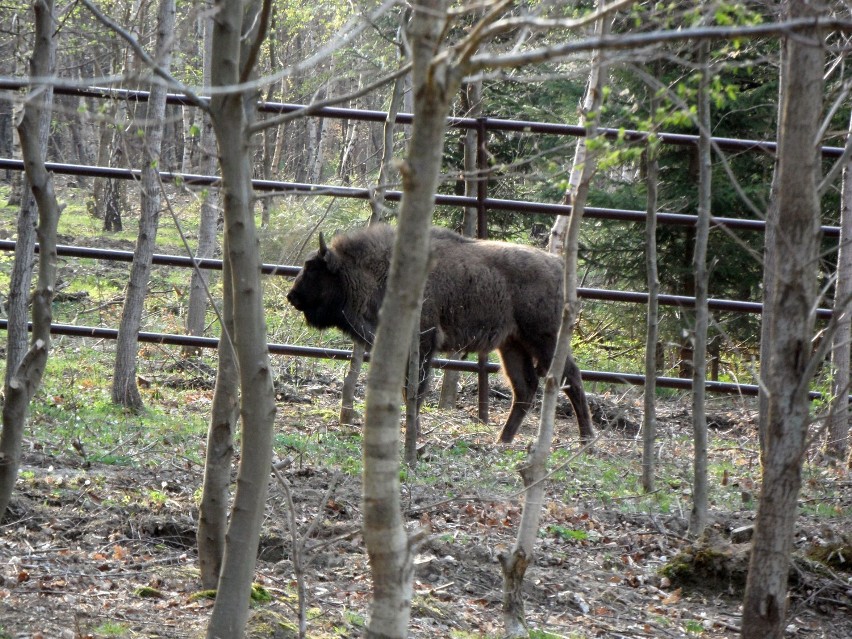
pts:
[202, 594]
[267, 624]
[837, 555]
[707, 567]
[259, 594]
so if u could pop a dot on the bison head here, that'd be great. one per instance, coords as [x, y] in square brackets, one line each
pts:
[318, 290]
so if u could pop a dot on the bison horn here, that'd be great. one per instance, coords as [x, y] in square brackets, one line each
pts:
[323, 249]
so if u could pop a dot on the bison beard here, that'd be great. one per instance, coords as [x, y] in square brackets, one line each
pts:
[479, 296]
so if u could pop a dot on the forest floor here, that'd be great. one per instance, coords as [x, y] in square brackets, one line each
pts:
[97, 550]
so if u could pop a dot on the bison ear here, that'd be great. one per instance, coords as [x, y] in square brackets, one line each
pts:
[323, 249]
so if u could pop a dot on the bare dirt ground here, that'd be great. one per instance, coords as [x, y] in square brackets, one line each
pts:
[94, 551]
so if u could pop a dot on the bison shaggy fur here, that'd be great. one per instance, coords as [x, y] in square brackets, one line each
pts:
[479, 296]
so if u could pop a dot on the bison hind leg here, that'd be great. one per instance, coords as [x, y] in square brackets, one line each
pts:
[577, 395]
[520, 370]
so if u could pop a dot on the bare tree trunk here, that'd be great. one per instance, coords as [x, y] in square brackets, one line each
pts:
[649, 419]
[99, 185]
[412, 396]
[213, 509]
[559, 231]
[16, 180]
[836, 445]
[390, 550]
[231, 114]
[215, 494]
[472, 98]
[377, 206]
[124, 388]
[515, 562]
[22, 276]
[27, 374]
[188, 121]
[207, 226]
[114, 191]
[787, 372]
[698, 515]
[350, 382]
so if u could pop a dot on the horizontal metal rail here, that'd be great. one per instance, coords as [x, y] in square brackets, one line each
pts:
[367, 115]
[160, 259]
[269, 186]
[342, 354]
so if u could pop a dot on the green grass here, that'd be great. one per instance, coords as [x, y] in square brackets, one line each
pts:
[112, 629]
[73, 407]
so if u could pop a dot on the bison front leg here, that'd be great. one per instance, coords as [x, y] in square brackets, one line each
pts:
[577, 395]
[519, 369]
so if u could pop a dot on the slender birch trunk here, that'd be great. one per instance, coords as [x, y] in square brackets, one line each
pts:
[515, 562]
[27, 374]
[649, 419]
[231, 114]
[389, 547]
[124, 388]
[698, 515]
[837, 436]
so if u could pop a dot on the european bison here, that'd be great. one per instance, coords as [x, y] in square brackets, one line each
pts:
[479, 296]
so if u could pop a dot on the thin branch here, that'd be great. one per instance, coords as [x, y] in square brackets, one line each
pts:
[471, 43]
[262, 29]
[636, 40]
[351, 30]
[167, 77]
[493, 29]
[316, 106]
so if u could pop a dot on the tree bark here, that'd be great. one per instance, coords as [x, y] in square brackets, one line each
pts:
[125, 391]
[515, 562]
[649, 419]
[207, 227]
[215, 494]
[837, 436]
[26, 378]
[698, 515]
[472, 99]
[790, 318]
[231, 114]
[389, 548]
[377, 215]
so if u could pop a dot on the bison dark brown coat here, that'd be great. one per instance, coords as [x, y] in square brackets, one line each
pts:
[479, 296]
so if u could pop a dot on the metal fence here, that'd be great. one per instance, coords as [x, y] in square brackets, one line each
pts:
[482, 203]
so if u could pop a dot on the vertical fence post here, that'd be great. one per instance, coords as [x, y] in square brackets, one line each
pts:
[482, 233]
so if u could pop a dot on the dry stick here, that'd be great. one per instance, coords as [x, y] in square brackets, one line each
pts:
[299, 558]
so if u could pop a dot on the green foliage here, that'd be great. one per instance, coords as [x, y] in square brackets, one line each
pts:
[567, 534]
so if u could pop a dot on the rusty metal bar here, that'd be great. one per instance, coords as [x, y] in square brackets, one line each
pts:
[520, 206]
[341, 354]
[493, 124]
[638, 297]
